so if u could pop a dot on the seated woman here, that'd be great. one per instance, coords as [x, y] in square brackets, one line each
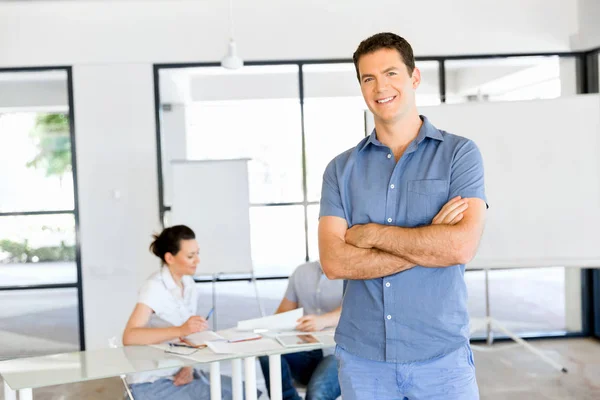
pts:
[166, 310]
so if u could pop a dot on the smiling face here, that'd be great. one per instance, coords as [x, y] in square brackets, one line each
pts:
[186, 260]
[387, 86]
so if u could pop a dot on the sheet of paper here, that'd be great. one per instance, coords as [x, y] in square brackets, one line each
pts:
[286, 321]
[251, 346]
[238, 336]
[200, 338]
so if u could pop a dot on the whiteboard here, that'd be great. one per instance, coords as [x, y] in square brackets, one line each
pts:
[212, 198]
[542, 175]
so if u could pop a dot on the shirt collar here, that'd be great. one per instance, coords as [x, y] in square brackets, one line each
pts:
[168, 278]
[427, 130]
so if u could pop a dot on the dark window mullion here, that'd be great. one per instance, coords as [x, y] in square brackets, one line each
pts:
[304, 172]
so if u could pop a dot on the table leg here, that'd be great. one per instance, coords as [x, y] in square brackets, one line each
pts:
[275, 376]
[250, 373]
[215, 381]
[236, 379]
[9, 394]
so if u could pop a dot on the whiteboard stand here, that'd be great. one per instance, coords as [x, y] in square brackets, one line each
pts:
[489, 323]
[261, 307]
[214, 302]
[253, 280]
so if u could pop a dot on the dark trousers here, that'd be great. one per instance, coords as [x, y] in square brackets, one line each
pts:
[308, 368]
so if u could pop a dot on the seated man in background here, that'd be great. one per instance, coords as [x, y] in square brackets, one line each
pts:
[321, 298]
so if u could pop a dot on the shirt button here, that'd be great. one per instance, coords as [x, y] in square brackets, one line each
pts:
[389, 317]
[392, 186]
[389, 156]
[387, 284]
[389, 220]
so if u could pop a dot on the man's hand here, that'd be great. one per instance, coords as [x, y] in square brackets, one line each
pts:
[451, 213]
[184, 376]
[311, 323]
[359, 236]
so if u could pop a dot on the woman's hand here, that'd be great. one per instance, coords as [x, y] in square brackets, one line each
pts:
[192, 325]
[184, 376]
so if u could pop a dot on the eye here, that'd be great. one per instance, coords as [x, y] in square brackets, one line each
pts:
[367, 80]
[392, 73]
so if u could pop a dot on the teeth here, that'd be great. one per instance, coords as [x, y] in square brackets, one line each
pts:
[385, 100]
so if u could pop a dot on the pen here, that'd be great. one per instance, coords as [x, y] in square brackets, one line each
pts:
[181, 345]
[210, 313]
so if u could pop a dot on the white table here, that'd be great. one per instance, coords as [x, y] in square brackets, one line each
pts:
[23, 375]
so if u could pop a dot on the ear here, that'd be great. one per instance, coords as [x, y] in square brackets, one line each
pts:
[169, 258]
[416, 78]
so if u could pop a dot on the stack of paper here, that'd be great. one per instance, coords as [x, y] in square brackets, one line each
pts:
[286, 321]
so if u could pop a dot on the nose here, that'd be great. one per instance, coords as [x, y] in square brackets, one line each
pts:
[381, 83]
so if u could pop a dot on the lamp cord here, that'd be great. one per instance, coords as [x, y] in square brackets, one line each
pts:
[231, 19]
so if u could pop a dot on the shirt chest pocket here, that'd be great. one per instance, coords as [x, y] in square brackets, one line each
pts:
[425, 198]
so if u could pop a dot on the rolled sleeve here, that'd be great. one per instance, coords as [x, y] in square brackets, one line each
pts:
[331, 200]
[467, 176]
[290, 292]
[151, 294]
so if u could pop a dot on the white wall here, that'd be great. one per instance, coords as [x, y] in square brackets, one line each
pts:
[588, 21]
[77, 32]
[118, 199]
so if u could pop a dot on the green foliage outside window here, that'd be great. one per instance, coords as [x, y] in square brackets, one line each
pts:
[53, 140]
[23, 253]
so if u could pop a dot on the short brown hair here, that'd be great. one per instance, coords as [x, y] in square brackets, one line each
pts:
[385, 40]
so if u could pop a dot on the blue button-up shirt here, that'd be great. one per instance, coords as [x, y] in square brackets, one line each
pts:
[421, 313]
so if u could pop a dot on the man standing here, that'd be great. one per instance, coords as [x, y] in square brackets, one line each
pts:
[404, 329]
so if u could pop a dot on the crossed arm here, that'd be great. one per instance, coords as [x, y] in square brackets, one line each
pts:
[372, 250]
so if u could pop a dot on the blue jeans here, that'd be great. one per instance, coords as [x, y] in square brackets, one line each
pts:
[308, 368]
[198, 389]
[450, 377]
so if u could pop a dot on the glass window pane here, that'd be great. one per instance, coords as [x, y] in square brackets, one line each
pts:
[38, 322]
[37, 250]
[251, 113]
[275, 148]
[277, 235]
[428, 92]
[509, 79]
[313, 230]
[35, 157]
[331, 126]
[334, 117]
[525, 301]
